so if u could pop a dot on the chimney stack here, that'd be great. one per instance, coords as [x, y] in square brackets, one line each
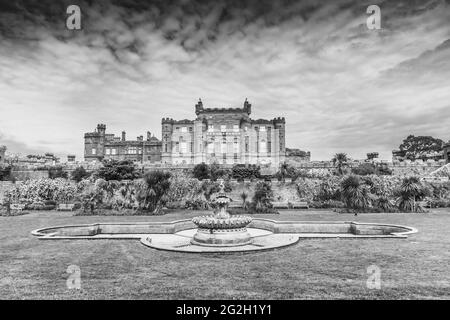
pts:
[140, 138]
[149, 135]
[123, 135]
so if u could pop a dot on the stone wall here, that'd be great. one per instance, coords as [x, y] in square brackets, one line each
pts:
[4, 186]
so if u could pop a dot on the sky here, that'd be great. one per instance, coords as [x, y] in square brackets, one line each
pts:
[341, 86]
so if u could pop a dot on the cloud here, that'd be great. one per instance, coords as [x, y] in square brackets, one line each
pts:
[340, 86]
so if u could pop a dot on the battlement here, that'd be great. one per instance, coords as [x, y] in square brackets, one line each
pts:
[199, 109]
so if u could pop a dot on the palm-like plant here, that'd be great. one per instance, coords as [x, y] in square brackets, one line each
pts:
[340, 161]
[244, 197]
[410, 193]
[355, 194]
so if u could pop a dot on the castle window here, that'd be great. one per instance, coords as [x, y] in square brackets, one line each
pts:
[190, 129]
[94, 151]
[132, 150]
[183, 147]
[245, 129]
[246, 144]
[113, 151]
[262, 146]
[210, 128]
[183, 129]
[211, 147]
[108, 151]
[262, 128]
[235, 128]
[223, 147]
[223, 128]
[236, 145]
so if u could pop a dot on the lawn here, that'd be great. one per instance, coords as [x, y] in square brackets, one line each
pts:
[413, 268]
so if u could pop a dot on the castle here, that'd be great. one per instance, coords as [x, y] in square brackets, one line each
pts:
[224, 135]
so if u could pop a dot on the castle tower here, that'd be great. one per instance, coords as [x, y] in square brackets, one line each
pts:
[94, 144]
[167, 130]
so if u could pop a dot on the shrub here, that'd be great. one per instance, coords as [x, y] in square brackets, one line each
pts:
[201, 171]
[5, 172]
[57, 172]
[410, 193]
[242, 171]
[117, 170]
[355, 194]
[79, 174]
[365, 169]
[158, 184]
[262, 199]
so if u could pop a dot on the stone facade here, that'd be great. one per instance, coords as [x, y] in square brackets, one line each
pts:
[2, 154]
[224, 135]
[447, 152]
[99, 145]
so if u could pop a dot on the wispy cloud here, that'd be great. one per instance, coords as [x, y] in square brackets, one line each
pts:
[341, 86]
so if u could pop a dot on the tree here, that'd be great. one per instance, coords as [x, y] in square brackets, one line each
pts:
[263, 197]
[420, 147]
[158, 185]
[57, 172]
[410, 193]
[118, 170]
[355, 194]
[201, 171]
[340, 161]
[5, 172]
[79, 174]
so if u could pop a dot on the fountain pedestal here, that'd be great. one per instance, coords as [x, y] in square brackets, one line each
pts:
[221, 229]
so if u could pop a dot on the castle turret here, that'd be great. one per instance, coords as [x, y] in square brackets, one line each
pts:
[124, 135]
[199, 107]
[167, 130]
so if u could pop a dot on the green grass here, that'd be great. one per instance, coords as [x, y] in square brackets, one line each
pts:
[418, 267]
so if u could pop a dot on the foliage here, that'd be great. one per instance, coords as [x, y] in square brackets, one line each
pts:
[262, 199]
[420, 147]
[117, 170]
[355, 193]
[340, 161]
[41, 190]
[152, 197]
[5, 172]
[216, 172]
[79, 174]
[242, 172]
[410, 193]
[367, 168]
[201, 171]
[288, 171]
[55, 172]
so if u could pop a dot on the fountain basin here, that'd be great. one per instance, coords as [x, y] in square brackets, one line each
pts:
[265, 234]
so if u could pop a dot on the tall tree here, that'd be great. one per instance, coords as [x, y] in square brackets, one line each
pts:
[420, 147]
[340, 162]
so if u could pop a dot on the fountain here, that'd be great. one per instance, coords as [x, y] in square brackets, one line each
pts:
[220, 229]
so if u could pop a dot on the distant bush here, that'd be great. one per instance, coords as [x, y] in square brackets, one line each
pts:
[117, 170]
[263, 197]
[201, 171]
[365, 169]
[242, 172]
[79, 174]
[57, 172]
[5, 172]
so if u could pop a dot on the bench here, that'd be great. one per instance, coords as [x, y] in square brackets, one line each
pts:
[17, 206]
[66, 207]
[291, 205]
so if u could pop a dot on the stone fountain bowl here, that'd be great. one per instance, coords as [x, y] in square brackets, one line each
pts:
[211, 222]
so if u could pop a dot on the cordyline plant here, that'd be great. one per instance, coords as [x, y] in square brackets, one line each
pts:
[410, 194]
[355, 194]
